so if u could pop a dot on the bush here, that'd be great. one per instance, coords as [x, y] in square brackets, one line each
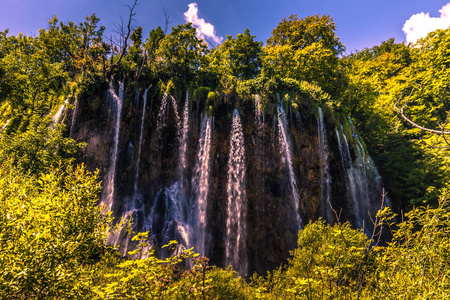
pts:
[50, 227]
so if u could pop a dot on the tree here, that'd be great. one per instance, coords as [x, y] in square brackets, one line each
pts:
[306, 49]
[38, 149]
[124, 33]
[377, 78]
[50, 229]
[151, 46]
[180, 53]
[79, 46]
[429, 83]
[239, 57]
[31, 80]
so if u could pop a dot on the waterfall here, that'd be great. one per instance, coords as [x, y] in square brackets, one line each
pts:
[181, 194]
[4, 126]
[370, 185]
[161, 120]
[358, 179]
[200, 182]
[285, 150]
[175, 225]
[175, 205]
[177, 116]
[237, 201]
[138, 161]
[57, 117]
[325, 180]
[74, 118]
[111, 175]
[58, 114]
[259, 116]
[183, 139]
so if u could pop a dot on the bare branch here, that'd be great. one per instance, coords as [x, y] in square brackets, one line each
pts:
[337, 215]
[166, 20]
[400, 111]
[139, 70]
[125, 36]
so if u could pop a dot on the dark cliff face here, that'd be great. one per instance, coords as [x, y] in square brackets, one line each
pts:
[271, 228]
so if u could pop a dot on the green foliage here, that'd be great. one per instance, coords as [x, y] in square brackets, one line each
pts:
[180, 53]
[31, 79]
[415, 264]
[378, 78]
[153, 278]
[50, 227]
[337, 262]
[330, 262]
[306, 49]
[39, 148]
[239, 57]
[201, 94]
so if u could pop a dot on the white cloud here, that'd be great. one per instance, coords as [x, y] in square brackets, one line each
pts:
[204, 29]
[419, 25]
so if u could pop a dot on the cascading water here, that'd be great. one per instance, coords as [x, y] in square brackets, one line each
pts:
[200, 183]
[108, 189]
[259, 116]
[175, 226]
[161, 120]
[138, 161]
[177, 211]
[4, 126]
[285, 150]
[182, 162]
[325, 184]
[351, 176]
[361, 178]
[180, 181]
[237, 200]
[369, 182]
[133, 207]
[59, 113]
[177, 116]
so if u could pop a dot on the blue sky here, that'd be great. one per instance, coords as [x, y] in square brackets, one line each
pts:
[360, 23]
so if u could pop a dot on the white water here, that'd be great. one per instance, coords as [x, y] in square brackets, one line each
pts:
[237, 200]
[138, 161]
[58, 114]
[175, 225]
[200, 183]
[360, 176]
[161, 120]
[57, 117]
[177, 116]
[259, 116]
[285, 149]
[183, 139]
[4, 126]
[111, 175]
[74, 118]
[325, 184]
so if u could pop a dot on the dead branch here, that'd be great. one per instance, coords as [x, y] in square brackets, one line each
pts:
[166, 20]
[400, 111]
[125, 37]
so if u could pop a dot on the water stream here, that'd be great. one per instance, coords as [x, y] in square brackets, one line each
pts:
[237, 201]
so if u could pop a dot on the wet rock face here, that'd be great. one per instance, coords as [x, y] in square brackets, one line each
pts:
[271, 226]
